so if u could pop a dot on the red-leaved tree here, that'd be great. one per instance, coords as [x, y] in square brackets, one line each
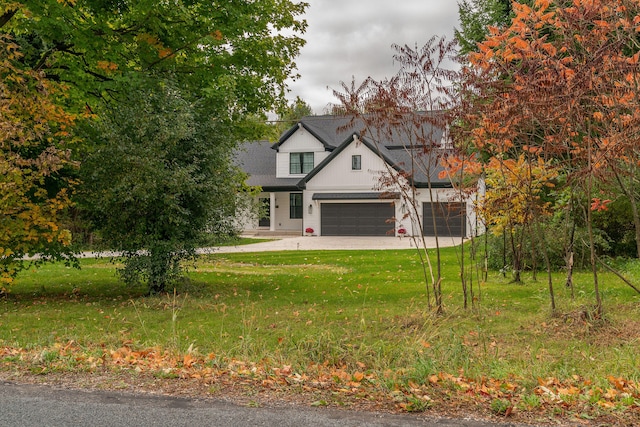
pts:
[411, 109]
[561, 84]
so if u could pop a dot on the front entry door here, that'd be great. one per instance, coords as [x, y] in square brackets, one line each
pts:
[265, 213]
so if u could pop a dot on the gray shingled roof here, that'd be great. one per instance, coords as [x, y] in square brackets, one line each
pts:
[258, 159]
[402, 160]
[333, 130]
[326, 128]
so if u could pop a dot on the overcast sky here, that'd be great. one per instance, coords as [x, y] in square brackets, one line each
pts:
[348, 38]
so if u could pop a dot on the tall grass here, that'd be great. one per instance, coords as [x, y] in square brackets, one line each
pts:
[344, 308]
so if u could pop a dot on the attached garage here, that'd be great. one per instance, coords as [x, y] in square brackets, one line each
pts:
[450, 219]
[357, 219]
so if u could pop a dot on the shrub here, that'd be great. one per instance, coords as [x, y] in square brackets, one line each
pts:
[552, 239]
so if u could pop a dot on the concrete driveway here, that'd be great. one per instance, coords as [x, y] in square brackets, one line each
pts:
[310, 243]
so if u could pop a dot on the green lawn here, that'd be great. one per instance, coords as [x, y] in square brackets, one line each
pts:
[359, 310]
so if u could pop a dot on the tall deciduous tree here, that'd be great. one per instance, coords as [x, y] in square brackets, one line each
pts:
[104, 47]
[513, 201]
[407, 108]
[34, 163]
[158, 177]
[291, 114]
[216, 65]
[476, 16]
[561, 83]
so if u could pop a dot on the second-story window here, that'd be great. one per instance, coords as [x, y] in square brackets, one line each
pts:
[300, 163]
[356, 162]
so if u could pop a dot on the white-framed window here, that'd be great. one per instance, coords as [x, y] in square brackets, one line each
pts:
[300, 163]
[356, 162]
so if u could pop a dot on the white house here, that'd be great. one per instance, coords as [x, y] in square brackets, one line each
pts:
[325, 176]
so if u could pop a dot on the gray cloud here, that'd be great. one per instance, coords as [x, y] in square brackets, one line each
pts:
[348, 38]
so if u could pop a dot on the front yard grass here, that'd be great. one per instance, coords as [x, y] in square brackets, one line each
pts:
[348, 322]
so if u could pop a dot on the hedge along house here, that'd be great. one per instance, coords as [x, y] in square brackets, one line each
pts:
[324, 176]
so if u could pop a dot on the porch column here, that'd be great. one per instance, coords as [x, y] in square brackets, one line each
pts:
[272, 211]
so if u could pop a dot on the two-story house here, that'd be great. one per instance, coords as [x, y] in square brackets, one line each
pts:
[324, 177]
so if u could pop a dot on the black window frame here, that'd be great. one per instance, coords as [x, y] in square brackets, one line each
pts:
[302, 167]
[295, 205]
[356, 162]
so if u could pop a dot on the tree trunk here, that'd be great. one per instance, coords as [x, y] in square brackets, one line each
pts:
[516, 249]
[465, 295]
[437, 285]
[504, 252]
[569, 259]
[569, 282]
[636, 223]
[594, 266]
[534, 262]
[547, 262]
[634, 208]
[485, 267]
[473, 260]
[462, 274]
[592, 244]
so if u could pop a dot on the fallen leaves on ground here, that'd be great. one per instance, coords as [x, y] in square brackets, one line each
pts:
[575, 397]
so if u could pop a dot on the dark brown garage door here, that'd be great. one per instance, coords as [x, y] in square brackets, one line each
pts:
[450, 219]
[356, 219]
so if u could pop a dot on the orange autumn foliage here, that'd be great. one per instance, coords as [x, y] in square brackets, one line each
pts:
[560, 79]
[34, 133]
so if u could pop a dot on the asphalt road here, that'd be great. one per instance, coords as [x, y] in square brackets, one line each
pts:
[43, 406]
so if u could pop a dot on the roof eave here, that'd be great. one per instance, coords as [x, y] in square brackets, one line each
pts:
[300, 125]
[419, 184]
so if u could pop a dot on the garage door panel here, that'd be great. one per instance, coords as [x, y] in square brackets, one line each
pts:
[450, 219]
[356, 219]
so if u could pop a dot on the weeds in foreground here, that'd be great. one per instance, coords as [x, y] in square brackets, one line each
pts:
[351, 323]
[578, 396]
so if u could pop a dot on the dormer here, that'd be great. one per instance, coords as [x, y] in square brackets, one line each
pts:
[299, 151]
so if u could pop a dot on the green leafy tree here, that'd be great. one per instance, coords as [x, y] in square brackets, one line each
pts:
[34, 166]
[218, 66]
[291, 114]
[158, 177]
[102, 47]
[476, 16]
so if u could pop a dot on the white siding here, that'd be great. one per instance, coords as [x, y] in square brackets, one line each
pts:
[283, 222]
[338, 177]
[300, 142]
[311, 215]
[280, 211]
